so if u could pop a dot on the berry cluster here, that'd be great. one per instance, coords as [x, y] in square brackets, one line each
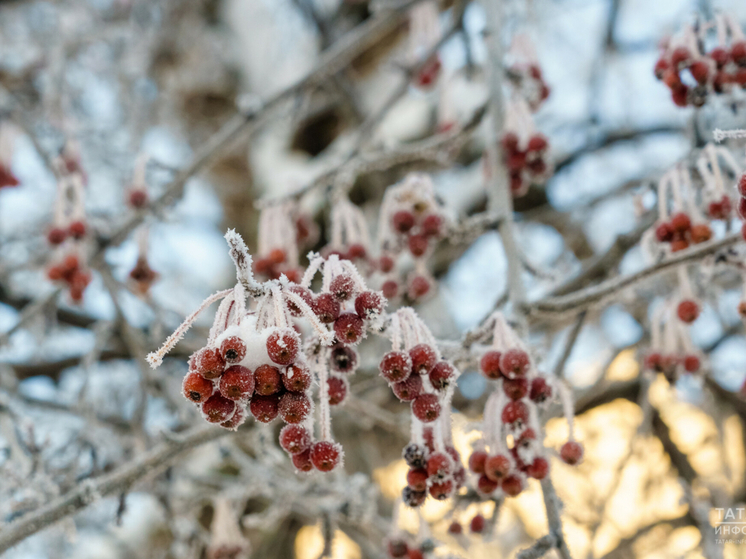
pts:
[282, 229]
[70, 271]
[438, 473]
[671, 365]
[525, 73]
[679, 232]
[411, 223]
[398, 547]
[525, 161]
[692, 74]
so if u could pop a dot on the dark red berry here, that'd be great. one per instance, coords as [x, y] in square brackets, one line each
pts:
[653, 362]
[417, 245]
[77, 229]
[515, 413]
[738, 53]
[664, 232]
[441, 490]
[441, 375]
[439, 465]
[455, 528]
[571, 452]
[342, 287]
[218, 409]
[304, 293]
[343, 359]
[490, 364]
[197, 388]
[509, 142]
[701, 233]
[681, 223]
[138, 198]
[294, 407]
[680, 56]
[413, 498]
[390, 289]
[396, 366]
[419, 286]
[267, 380]
[537, 143]
[540, 390]
[423, 358]
[283, 346]
[209, 363]
[302, 461]
[486, 485]
[512, 485]
[426, 407]
[417, 479]
[233, 349]
[56, 235]
[515, 389]
[497, 467]
[687, 311]
[386, 263]
[239, 416]
[397, 548]
[403, 221]
[742, 186]
[691, 363]
[337, 390]
[295, 439]
[407, 390]
[660, 68]
[297, 377]
[700, 71]
[514, 363]
[326, 308]
[369, 304]
[720, 56]
[264, 408]
[349, 328]
[432, 225]
[326, 455]
[237, 383]
[477, 461]
[538, 469]
[477, 524]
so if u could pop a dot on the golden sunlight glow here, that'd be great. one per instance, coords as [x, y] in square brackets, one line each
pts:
[309, 543]
[624, 367]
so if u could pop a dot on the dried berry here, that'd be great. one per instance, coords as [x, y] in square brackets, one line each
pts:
[414, 455]
[343, 359]
[197, 388]
[295, 439]
[349, 328]
[426, 407]
[283, 346]
[264, 408]
[294, 407]
[397, 548]
[233, 349]
[423, 358]
[218, 409]
[413, 498]
[396, 366]
[297, 377]
[237, 383]
[267, 380]
[326, 455]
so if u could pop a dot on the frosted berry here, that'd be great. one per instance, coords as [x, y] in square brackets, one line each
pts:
[738, 53]
[326, 308]
[197, 388]
[432, 225]
[515, 389]
[283, 345]
[418, 287]
[390, 289]
[267, 379]
[486, 485]
[514, 363]
[720, 56]
[571, 452]
[302, 461]
[742, 186]
[138, 198]
[325, 455]
[653, 362]
[497, 467]
[540, 390]
[441, 375]
[397, 548]
[349, 328]
[396, 366]
[414, 455]
[369, 304]
[209, 363]
[691, 363]
[413, 498]
[342, 287]
[664, 232]
[423, 358]
[233, 349]
[720, 209]
[417, 479]
[264, 408]
[295, 439]
[512, 485]
[439, 465]
[700, 71]
[426, 407]
[701, 233]
[515, 413]
[239, 416]
[539, 468]
[741, 208]
[537, 143]
[681, 223]
[237, 383]
[687, 311]
[455, 528]
[77, 229]
[477, 461]
[294, 407]
[337, 390]
[407, 390]
[490, 364]
[441, 490]
[304, 293]
[386, 263]
[680, 56]
[297, 377]
[477, 524]
[343, 359]
[403, 221]
[218, 409]
[357, 252]
[56, 235]
[417, 245]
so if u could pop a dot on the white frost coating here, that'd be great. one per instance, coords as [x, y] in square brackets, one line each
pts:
[242, 259]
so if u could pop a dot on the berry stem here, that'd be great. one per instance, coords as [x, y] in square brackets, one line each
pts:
[242, 260]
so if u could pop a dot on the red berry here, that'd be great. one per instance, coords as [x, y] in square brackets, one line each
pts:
[441, 489]
[326, 308]
[477, 524]
[509, 142]
[426, 77]
[413, 498]
[512, 485]
[294, 407]
[497, 467]
[267, 380]
[356, 252]
[349, 328]
[515, 389]
[396, 366]
[701, 233]
[209, 363]
[197, 388]
[660, 68]
[419, 286]
[426, 407]
[432, 225]
[342, 287]
[423, 358]
[742, 186]
[138, 198]
[239, 416]
[514, 362]
[486, 485]
[264, 408]
[680, 56]
[386, 263]
[302, 461]
[680, 96]
[441, 375]
[679, 244]
[664, 232]
[325, 455]
[237, 383]
[743, 231]
[515, 413]
[369, 304]
[741, 207]
[738, 53]
[337, 390]
[397, 548]
[653, 362]
[77, 229]
[417, 245]
[276, 256]
[455, 528]
[439, 465]
[700, 71]
[343, 359]
[297, 377]
[490, 364]
[720, 56]
[295, 439]
[540, 390]
[571, 452]
[56, 235]
[537, 143]
[477, 461]
[233, 349]
[390, 289]
[688, 311]
[538, 469]
[403, 221]
[407, 390]
[283, 346]
[302, 292]
[691, 363]
[681, 223]
[218, 409]
[417, 479]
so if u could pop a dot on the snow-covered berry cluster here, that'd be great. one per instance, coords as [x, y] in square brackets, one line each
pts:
[525, 72]
[692, 74]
